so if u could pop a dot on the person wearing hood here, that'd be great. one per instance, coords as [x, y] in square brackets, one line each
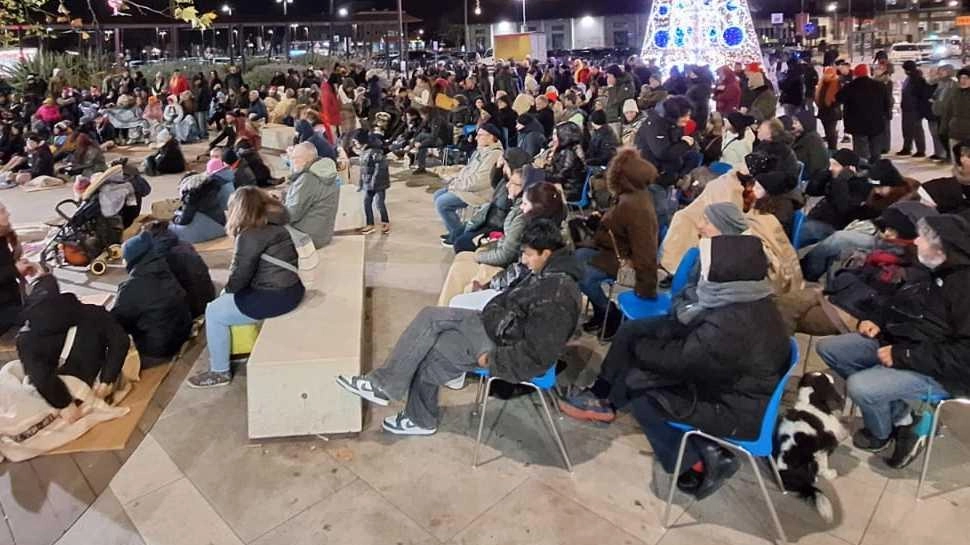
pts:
[866, 105]
[305, 133]
[699, 94]
[829, 110]
[915, 105]
[872, 194]
[791, 88]
[602, 141]
[517, 336]
[629, 231]
[961, 168]
[662, 142]
[202, 213]
[731, 348]
[263, 278]
[242, 174]
[531, 137]
[945, 195]
[566, 166]
[186, 265]
[313, 196]
[472, 185]
[773, 174]
[375, 178]
[633, 118]
[727, 94]
[151, 305]
[808, 145]
[916, 346]
[168, 159]
[95, 350]
[619, 88]
[738, 140]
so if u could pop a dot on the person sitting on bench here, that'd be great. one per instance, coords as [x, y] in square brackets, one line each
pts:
[518, 335]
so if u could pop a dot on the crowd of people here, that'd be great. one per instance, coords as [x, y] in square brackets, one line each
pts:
[779, 228]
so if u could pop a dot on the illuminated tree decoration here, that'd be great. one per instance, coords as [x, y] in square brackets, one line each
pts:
[700, 32]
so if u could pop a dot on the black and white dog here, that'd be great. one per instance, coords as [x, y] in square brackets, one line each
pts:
[805, 437]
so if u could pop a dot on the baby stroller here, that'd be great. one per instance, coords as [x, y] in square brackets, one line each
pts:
[90, 236]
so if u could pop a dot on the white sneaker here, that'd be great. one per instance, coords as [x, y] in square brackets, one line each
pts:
[456, 383]
[364, 388]
[402, 425]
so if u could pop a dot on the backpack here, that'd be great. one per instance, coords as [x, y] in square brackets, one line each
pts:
[306, 253]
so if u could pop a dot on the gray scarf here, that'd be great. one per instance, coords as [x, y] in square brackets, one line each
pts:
[719, 294]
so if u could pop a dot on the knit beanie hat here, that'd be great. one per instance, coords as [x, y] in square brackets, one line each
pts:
[614, 70]
[630, 105]
[885, 173]
[492, 130]
[740, 121]
[846, 158]
[727, 217]
[733, 258]
[524, 120]
[135, 248]
[946, 193]
[213, 166]
[516, 158]
[860, 71]
[598, 117]
[954, 233]
[902, 217]
[965, 71]
[229, 156]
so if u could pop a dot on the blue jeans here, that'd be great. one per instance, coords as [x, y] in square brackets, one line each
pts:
[591, 283]
[880, 392]
[448, 204]
[200, 229]
[369, 198]
[814, 231]
[820, 258]
[221, 313]
[465, 241]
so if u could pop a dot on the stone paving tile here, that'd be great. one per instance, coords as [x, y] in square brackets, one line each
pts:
[148, 469]
[106, 519]
[177, 514]
[900, 520]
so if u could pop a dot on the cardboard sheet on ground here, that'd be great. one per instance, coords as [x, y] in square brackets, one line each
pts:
[49, 183]
[114, 435]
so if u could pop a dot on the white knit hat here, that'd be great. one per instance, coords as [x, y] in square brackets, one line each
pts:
[630, 105]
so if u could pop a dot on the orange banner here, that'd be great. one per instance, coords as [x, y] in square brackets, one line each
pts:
[963, 20]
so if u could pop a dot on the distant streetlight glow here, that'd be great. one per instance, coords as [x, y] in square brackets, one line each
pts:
[478, 10]
[586, 21]
[832, 7]
[342, 12]
[503, 26]
[227, 9]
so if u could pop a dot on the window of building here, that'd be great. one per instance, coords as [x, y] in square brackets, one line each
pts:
[621, 38]
[558, 41]
[558, 28]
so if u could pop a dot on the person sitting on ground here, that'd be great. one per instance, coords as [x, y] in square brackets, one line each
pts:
[250, 155]
[312, 199]
[961, 168]
[86, 159]
[13, 270]
[629, 232]
[257, 110]
[916, 347]
[37, 164]
[151, 305]
[531, 135]
[96, 350]
[375, 178]
[202, 214]
[305, 133]
[11, 142]
[566, 167]
[242, 174]
[602, 141]
[945, 195]
[168, 159]
[471, 186]
[808, 145]
[722, 218]
[849, 200]
[186, 265]
[263, 278]
[284, 110]
[516, 336]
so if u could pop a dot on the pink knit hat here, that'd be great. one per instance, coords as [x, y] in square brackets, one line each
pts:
[213, 166]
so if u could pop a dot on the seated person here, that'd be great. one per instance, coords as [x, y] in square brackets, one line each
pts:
[773, 180]
[305, 133]
[472, 186]
[251, 156]
[565, 166]
[258, 288]
[662, 141]
[516, 337]
[13, 269]
[242, 174]
[312, 199]
[257, 110]
[86, 159]
[961, 170]
[627, 231]
[202, 214]
[186, 265]
[11, 142]
[491, 217]
[531, 136]
[97, 350]
[738, 140]
[434, 132]
[884, 186]
[602, 141]
[808, 145]
[168, 159]
[918, 345]
[539, 200]
[731, 352]
[37, 164]
[151, 305]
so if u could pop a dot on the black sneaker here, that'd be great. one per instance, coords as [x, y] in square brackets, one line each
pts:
[936, 158]
[909, 444]
[919, 154]
[903, 153]
[864, 440]
[419, 171]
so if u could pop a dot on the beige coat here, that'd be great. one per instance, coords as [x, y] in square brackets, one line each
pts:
[682, 234]
[473, 184]
[784, 270]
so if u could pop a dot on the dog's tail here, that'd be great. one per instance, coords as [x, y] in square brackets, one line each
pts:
[801, 481]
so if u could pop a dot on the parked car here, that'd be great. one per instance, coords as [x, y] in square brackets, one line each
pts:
[908, 51]
[945, 47]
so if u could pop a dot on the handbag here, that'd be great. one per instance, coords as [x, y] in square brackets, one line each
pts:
[626, 275]
[306, 253]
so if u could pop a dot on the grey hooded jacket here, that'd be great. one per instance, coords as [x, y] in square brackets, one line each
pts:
[312, 201]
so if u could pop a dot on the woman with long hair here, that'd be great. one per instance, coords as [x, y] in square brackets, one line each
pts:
[263, 277]
[13, 269]
[829, 110]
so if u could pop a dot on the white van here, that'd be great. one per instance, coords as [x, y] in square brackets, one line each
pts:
[907, 51]
[945, 47]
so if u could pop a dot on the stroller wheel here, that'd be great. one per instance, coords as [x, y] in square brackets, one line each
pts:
[98, 267]
[114, 252]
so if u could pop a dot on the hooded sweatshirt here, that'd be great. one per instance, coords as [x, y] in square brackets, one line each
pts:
[312, 201]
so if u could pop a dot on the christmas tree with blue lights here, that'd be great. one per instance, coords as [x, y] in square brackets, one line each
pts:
[700, 32]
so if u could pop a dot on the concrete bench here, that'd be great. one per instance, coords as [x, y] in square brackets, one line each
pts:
[350, 212]
[276, 137]
[293, 366]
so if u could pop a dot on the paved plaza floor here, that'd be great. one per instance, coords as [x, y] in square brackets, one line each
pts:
[190, 476]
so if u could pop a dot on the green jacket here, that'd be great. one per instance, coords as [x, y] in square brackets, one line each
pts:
[506, 251]
[312, 201]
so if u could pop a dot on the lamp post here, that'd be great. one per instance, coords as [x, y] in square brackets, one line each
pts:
[227, 9]
[525, 27]
[286, 35]
[833, 8]
[342, 13]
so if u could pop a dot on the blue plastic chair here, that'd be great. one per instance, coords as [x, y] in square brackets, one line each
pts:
[760, 447]
[719, 168]
[635, 307]
[584, 200]
[798, 221]
[544, 382]
[802, 182]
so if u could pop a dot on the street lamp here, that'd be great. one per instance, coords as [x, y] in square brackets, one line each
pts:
[284, 2]
[342, 12]
[227, 9]
[525, 28]
[833, 8]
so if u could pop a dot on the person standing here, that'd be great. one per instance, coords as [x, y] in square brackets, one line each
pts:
[829, 110]
[956, 110]
[915, 104]
[866, 104]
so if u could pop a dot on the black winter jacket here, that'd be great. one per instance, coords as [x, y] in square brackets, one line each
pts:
[531, 321]
[189, 269]
[866, 105]
[916, 95]
[100, 344]
[9, 278]
[567, 167]
[247, 270]
[659, 141]
[151, 306]
[845, 200]
[200, 195]
[532, 138]
[602, 146]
